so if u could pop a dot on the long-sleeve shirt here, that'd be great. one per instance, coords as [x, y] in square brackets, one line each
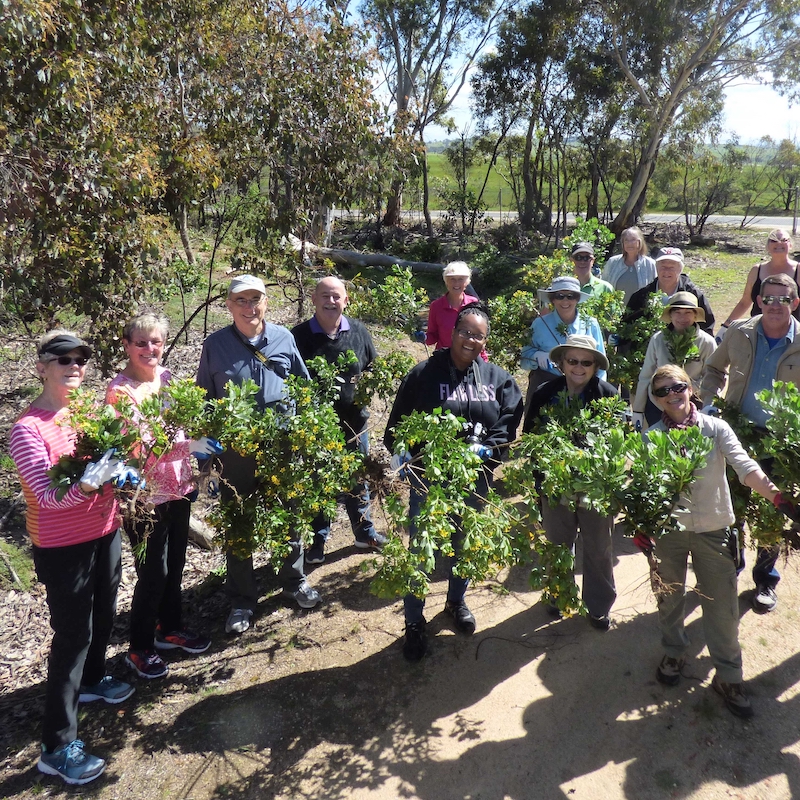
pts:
[169, 477]
[545, 336]
[483, 393]
[707, 506]
[312, 341]
[629, 279]
[37, 441]
[442, 321]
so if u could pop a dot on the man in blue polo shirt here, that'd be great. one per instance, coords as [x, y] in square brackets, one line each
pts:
[753, 354]
[265, 353]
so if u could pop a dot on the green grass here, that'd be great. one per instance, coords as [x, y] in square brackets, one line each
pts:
[21, 562]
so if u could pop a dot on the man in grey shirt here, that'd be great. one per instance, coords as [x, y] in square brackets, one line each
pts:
[265, 353]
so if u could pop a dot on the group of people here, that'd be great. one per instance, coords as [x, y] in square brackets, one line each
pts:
[76, 537]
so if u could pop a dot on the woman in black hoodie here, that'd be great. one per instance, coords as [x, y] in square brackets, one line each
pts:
[488, 399]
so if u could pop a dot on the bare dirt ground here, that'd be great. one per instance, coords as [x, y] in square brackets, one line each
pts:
[321, 704]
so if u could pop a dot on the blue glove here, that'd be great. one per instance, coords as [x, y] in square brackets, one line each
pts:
[720, 334]
[418, 336]
[398, 463]
[205, 447]
[710, 411]
[212, 489]
[613, 340]
[130, 475]
[481, 450]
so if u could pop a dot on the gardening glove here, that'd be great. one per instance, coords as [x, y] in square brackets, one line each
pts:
[720, 334]
[644, 543]
[204, 447]
[212, 489]
[786, 506]
[398, 463]
[481, 450]
[125, 474]
[418, 336]
[710, 411]
[542, 359]
[100, 472]
[613, 340]
[637, 418]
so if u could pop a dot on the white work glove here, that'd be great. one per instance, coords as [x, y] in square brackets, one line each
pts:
[481, 450]
[637, 418]
[100, 472]
[542, 359]
[204, 447]
[710, 411]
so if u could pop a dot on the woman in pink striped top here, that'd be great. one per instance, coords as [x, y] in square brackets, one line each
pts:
[76, 550]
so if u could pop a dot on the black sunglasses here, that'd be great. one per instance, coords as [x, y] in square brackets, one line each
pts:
[573, 362]
[583, 257]
[66, 361]
[676, 388]
[564, 296]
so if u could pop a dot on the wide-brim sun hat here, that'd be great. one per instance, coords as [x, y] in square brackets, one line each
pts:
[565, 283]
[579, 341]
[683, 300]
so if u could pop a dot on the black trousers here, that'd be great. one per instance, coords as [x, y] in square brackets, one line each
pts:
[81, 582]
[159, 547]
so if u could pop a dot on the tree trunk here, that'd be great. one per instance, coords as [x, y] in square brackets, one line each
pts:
[182, 220]
[426, 193]
[528, 204]
[395, 204]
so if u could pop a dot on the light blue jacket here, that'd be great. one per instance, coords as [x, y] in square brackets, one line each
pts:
[544, 336]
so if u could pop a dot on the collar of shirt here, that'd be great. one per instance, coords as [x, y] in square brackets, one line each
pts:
[344, 325]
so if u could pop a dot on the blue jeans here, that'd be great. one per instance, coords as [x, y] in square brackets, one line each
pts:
[414, 606]
[764, 572]
[356, 503]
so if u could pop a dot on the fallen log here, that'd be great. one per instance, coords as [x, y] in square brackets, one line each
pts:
[353, 258]
[200, 533]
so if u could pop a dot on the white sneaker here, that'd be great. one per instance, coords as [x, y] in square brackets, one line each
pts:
[238, 620]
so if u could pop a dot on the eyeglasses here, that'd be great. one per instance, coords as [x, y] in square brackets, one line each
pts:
[771, 299]
[67, 361]
[243, 302]
[465, 334]
[676, 388]
[573, 362]
[582, 257]
[564, 296]
[145, 342]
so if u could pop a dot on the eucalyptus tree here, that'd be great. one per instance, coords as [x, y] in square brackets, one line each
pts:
[673, 50]
[426, 49]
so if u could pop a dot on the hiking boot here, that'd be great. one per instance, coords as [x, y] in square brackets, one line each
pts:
[374, 541]
[734, 697]
[109, 690]
[669, 670]
[186, 640]
[462, 616]
[305, 595]
[764, 600]
[316, 553]
[415, 644]
[71, 763]
[238, 620]
[146, 663]
[600, 623]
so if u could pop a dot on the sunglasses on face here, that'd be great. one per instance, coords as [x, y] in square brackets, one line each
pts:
[676, 388]
[68, 361]
[573, 362]
[583, 257]
[770, 299]
[564, 296]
